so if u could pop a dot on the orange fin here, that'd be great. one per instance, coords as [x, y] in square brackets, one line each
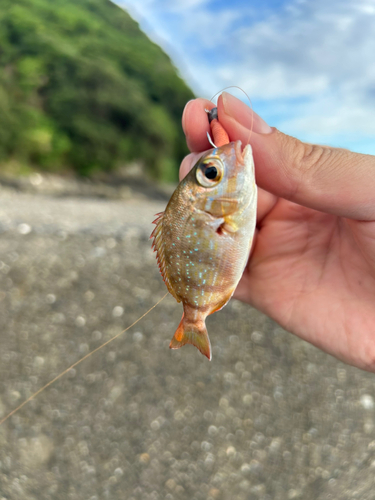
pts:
[158, 246]
[192, 333]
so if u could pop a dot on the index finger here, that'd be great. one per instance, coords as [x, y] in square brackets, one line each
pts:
[196, 125]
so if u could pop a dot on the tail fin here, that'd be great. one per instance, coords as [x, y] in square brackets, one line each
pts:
[192, 333]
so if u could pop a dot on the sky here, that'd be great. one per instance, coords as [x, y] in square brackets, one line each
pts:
[307, 65]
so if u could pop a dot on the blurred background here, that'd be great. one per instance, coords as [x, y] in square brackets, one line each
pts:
[91, 97]
[306, 65]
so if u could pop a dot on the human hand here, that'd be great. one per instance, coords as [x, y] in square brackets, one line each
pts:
[312, 267]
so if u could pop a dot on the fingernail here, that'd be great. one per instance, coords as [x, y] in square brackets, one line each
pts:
[244, 115]
[184, 115]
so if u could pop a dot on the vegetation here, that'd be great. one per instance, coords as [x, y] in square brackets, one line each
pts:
[83, 88]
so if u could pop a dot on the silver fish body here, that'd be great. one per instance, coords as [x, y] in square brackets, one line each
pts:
[204, 237]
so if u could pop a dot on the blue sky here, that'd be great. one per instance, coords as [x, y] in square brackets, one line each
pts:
[308, 65]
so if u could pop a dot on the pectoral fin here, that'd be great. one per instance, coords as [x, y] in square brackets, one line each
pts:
[230, 225]
[221, 207]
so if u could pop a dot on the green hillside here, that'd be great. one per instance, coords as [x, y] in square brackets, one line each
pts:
[82, 88]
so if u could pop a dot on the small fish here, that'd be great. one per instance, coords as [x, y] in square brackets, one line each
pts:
[203, 238]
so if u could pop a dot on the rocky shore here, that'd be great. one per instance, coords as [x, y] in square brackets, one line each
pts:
[270, 417]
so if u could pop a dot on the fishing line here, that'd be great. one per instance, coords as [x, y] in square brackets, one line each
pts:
[248, 98]
[77, 363]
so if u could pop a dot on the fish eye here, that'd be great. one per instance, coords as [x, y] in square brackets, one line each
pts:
[210, 172]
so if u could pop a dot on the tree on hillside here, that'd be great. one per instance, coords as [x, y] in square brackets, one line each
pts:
[82, 87]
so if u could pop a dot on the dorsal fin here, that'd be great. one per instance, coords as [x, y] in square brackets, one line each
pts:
[158, 246]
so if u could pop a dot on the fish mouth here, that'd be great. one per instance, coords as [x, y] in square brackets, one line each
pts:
[242, 155]
[238, 151]
[247, 151]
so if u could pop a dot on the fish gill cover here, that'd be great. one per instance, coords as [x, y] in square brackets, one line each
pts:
[82, 88]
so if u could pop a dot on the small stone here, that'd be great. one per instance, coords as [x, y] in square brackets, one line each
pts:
[231, 450]
[115, 393]
[207, 415]
[98, 252]
[89, 296]
[15, 395]
[223, 403]
[155, 426]
[51, 298]
[137, 336]
[117, 312]
[245, 485]
[111, 243]
[247, 399]
[38, 361]
[80, 321]
[212, 431]
[58, 318]
[206, 446]
[367, 402]
[96, 335]
[144, 458]
[368, 427]
[245, 469]
[214, 493]
[111, 356]
[24, 228]
[84, 348]
[36, 179]
[119, 472]
[170, 484]
[36, 451]
[257, 337]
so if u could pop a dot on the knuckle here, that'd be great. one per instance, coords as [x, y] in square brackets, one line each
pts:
[303, 156]
[309, 157]
[313, 156]
[305, 163]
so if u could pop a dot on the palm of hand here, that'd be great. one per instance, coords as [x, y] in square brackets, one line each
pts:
[314, 273]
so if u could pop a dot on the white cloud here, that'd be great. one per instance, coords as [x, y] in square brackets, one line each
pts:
[319, 53]
[181, 6]
[298, 51]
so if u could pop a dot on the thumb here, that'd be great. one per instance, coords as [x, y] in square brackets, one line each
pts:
[327, 179]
